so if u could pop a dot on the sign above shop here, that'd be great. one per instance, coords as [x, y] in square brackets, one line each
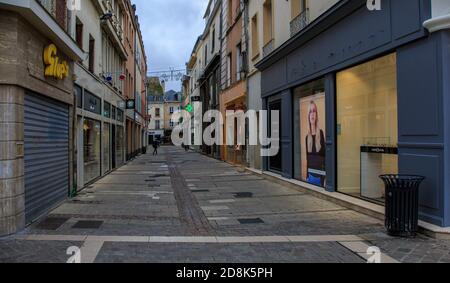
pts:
[55, 68]
[131, 104]
[121, 104]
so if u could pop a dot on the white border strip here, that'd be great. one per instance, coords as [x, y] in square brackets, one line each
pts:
[217, 240]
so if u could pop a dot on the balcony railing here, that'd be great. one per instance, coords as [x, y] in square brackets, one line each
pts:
[268, 48]
[300, 22]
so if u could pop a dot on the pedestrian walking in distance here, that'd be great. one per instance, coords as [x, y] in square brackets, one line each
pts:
[155, 147]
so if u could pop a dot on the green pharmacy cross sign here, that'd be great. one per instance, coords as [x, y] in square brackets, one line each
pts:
[189, 108]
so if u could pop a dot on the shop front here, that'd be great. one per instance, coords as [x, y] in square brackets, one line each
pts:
[100, 136]
[359, 96]
[135, 134]
[234, 100]
[36, 106]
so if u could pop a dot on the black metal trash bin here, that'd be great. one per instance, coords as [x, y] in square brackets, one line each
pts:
[402, 204]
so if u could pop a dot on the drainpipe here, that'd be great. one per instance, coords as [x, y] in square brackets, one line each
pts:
[75, 147]
[246, 40]
[134, 95]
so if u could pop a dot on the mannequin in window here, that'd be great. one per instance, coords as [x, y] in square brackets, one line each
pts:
[315, 147]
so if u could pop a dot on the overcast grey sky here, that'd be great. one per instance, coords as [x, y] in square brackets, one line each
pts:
[170, 29]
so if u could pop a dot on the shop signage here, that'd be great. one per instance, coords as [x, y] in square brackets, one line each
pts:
[131, 104]
[54, 67]
[92, 103]
[121, 104]
[379, 150]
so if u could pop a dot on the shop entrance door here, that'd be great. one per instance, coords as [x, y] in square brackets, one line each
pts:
[275, 162]
[46, 155]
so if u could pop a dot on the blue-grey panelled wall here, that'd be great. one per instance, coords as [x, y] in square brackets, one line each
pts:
[349, 34]
[46, 155]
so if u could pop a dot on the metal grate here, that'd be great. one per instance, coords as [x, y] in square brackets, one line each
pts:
[251, 221]
[243, 195]
[88, 225]
[200, 191]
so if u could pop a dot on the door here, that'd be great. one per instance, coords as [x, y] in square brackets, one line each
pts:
[106, 148]
[46, 134]
[275, 162]
[113, 146]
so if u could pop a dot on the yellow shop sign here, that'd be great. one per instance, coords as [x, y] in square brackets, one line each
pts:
[54, 68]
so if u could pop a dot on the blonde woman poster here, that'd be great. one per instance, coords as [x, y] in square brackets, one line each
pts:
[312, 129]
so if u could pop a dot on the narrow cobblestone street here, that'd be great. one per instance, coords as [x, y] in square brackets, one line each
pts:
[185, 207]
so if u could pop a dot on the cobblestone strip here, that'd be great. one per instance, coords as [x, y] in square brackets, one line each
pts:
[191, 214]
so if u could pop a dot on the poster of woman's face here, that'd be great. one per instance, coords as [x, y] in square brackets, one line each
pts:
[312, 139]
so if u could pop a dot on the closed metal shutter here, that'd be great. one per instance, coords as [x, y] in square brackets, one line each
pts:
[46, 155]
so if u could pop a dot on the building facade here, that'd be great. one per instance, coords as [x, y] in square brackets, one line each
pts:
[194, 69]
[155, 98]
[156, 111]
[349, 84]
[160, 109]
[233, 96]
[172, 105]
[136, 73]
[209, 80]
[99, 89]
[37, 110]
[63, 99]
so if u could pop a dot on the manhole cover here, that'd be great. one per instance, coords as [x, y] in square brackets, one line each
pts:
[52, 223]
[87, 225]
[243, 195]
[251, 221]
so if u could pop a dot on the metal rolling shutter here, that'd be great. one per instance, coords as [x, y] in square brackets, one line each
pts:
[46, 155]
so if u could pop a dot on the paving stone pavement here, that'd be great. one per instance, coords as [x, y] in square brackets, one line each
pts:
[179, 194]
[329, 252]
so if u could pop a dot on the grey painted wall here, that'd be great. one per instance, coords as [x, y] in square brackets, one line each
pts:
[423, 127]
[352, 36]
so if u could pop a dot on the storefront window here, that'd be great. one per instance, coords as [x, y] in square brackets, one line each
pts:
[92, 103]
[119, 115]
[79, 96]
[367, 128]
[107, 110]
[106, 148]
[113, 113]
[91, 141]
[310, 133]
[119, 145]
